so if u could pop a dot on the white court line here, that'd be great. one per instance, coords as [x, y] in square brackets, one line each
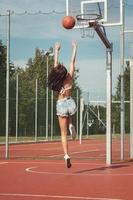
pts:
[54, 196]
[53, 163]
[62, 163]
[1, 163]
[73, 153]
[31, 170]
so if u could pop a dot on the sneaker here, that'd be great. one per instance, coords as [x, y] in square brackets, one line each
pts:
[67, 161]
[72, 131]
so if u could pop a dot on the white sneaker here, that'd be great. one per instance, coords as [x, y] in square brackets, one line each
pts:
[72, 131]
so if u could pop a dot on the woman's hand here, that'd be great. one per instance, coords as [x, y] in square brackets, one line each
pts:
[74, 44]
[56, 55]
[57, 46]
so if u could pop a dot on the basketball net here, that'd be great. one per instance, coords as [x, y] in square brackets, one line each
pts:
[87, 32]
[83, 21]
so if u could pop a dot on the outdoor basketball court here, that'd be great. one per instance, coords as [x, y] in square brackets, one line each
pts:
[102, 166]
[37, 171]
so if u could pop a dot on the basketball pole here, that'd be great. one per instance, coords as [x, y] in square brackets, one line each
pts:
[122, 110]
[109, 49]
[109, 106]
[7, 86]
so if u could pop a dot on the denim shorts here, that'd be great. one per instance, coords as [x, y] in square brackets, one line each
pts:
[65, 107]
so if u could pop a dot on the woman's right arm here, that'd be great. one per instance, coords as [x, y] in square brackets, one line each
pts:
[56, 56]
[72, 63]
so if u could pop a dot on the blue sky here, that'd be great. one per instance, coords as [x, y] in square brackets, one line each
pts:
[42, 31]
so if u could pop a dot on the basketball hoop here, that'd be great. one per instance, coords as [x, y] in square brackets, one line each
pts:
[84, 21]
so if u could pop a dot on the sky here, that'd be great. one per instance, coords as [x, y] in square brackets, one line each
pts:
[30, 30]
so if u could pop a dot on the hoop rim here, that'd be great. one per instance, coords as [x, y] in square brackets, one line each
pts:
[88, 17]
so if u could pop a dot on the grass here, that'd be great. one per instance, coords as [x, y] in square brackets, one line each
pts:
[22, 139]
[26, 139]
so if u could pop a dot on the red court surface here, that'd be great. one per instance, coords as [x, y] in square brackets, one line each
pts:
[37, 171]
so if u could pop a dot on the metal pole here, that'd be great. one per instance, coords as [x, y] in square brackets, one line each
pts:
[108, 112]
[122, 120]
[128, 31]
[7, 85]
[17, 107]
[131, 108]
[88, 116]
[77, 119]
[81, 119]
[87, 122]
[36, 94]
[47, 100]
[67, 8]
[108, 46]
[51, 114]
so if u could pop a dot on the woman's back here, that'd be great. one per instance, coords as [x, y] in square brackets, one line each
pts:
[66, 90]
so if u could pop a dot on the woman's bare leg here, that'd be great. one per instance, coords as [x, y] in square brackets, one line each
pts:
[72, 128]
[63, 122]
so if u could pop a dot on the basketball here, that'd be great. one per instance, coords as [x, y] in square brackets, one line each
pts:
[68, 22]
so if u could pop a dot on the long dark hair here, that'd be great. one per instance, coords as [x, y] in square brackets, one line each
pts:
[56, 77]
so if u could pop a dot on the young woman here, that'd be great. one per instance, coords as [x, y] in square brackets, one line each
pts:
[61, 80]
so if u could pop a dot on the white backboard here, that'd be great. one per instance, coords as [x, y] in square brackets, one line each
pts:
[110, 10]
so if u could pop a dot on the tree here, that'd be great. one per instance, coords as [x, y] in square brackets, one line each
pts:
[3, 51]
[3, 86]
[36, 69]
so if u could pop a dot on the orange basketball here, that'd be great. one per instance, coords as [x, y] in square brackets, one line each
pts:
[68, 22]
